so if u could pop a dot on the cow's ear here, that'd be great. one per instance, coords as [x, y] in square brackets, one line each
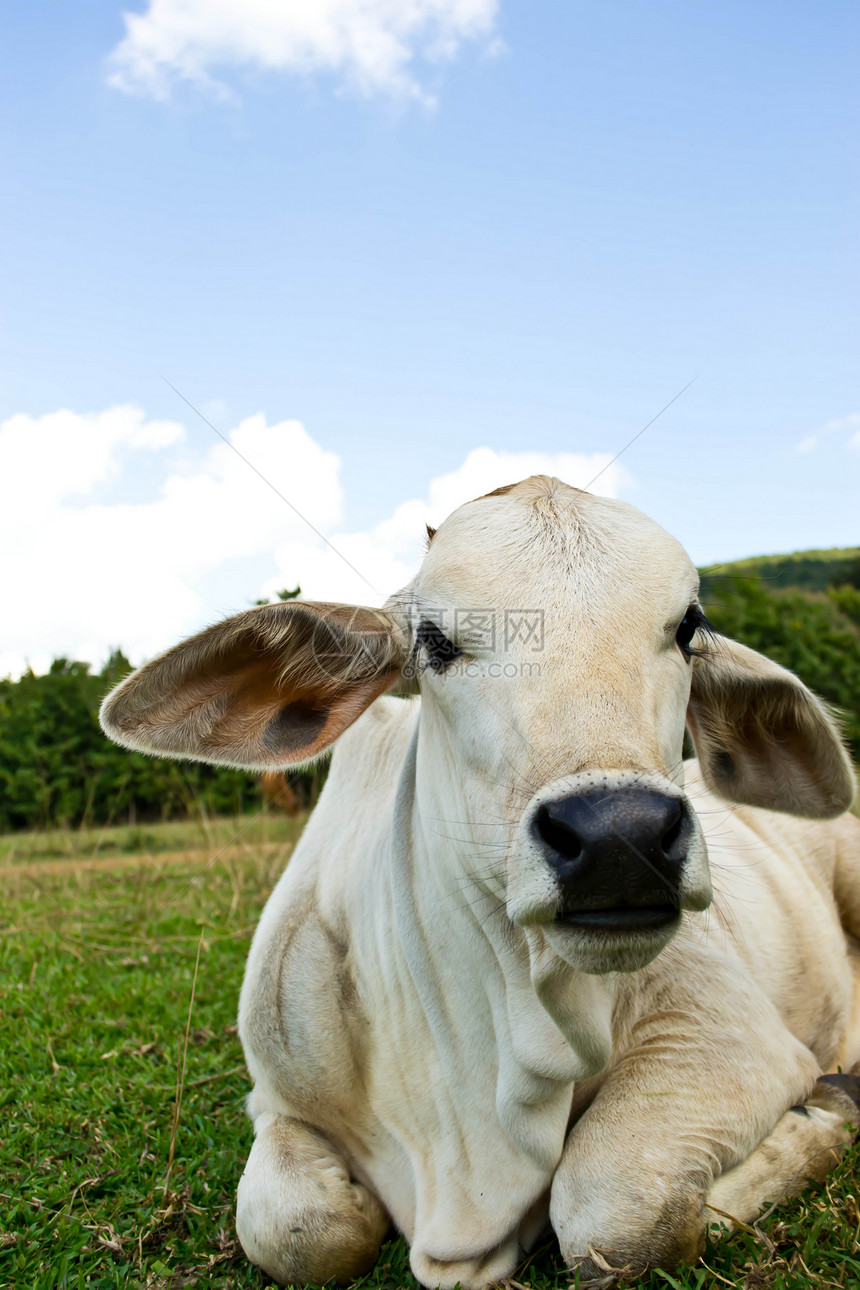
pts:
[763, 738]
[271, 687]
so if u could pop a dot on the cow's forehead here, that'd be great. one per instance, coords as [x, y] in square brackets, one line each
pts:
[534, 537]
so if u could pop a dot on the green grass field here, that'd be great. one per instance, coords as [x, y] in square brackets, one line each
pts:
[97, 957]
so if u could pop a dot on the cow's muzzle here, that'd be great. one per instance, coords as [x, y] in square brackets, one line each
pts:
[618, 856]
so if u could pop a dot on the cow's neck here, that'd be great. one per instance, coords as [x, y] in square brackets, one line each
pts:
[477, 1033]
[484, 985]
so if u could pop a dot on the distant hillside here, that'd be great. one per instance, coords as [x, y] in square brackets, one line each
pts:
[807, 570]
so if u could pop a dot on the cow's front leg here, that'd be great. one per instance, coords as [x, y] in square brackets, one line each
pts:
[806, 1143]
[299, 1216]
[707, 1074]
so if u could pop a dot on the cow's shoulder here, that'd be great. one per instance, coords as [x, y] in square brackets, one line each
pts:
[300, 1018]
[847, 876]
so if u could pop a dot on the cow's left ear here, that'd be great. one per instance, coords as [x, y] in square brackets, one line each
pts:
[764, 739]
[271, 687]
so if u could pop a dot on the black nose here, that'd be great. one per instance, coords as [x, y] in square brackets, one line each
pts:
[618, 855]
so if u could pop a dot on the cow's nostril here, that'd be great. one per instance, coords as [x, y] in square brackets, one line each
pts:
[558, 835]
[615, 849]
[673, 833]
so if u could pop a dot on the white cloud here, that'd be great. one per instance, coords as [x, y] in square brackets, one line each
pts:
[370, 45]
[838, 425]
[65, 453]
[80, 576]
[389, 553]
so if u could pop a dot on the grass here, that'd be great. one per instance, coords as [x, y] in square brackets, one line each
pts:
[263, 829]
[96, 971]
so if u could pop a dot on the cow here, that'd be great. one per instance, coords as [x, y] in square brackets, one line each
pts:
[278, 794]
[527, 966]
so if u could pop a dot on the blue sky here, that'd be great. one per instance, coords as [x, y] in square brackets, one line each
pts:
[527, 245]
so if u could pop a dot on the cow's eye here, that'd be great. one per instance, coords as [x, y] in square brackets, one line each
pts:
[439, 650]
[694, 620]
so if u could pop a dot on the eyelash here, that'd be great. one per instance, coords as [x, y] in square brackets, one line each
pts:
[694, 620]
[441, 652]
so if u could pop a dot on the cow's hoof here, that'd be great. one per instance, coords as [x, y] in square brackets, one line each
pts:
[846, 1084]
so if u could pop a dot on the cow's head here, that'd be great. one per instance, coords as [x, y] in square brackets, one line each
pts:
[560, 651]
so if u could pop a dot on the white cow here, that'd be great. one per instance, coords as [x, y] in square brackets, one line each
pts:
[494, 987]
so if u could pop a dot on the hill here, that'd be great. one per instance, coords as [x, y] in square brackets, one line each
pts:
[808, 570]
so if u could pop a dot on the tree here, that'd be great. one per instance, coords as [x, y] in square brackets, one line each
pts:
[282, 595]
[814, 634]
[57, 768]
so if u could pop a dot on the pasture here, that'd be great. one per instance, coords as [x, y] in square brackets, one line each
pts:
[123, 1132]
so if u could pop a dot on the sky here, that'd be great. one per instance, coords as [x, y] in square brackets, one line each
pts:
[398, 254]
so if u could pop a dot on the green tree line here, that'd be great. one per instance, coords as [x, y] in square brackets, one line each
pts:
[57, 768]
[814, 634]
[803, 611]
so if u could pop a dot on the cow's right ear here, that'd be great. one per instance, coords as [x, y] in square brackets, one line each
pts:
[271, 687]
[764, 739]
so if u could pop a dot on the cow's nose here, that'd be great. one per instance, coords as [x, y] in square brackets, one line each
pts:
[618, 855]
